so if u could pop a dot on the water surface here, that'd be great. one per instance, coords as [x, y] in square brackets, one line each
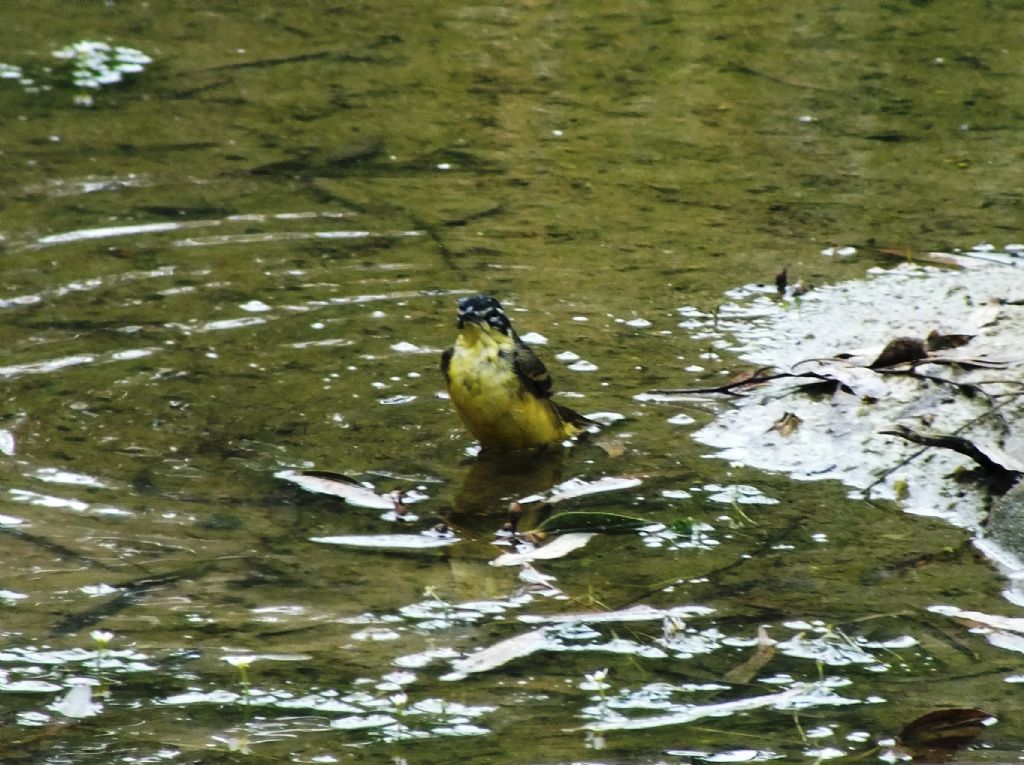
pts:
[246, 258]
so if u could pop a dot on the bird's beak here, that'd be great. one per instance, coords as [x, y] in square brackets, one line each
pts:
[467, 315]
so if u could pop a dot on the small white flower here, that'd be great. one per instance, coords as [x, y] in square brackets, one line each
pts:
[398, 699]
[102, 636]
[595, 681]
[242, 662]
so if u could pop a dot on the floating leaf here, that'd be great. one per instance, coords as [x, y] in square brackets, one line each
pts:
[682, 526]
[538, 639]
[577, 487]
[637, 613]
[558, 548]
[500, 654]
[348, 489]
[975, 618]
[595, 522]
[798, 697]
[945, 729]
[763, 654]
[613, 447]
[389, 541]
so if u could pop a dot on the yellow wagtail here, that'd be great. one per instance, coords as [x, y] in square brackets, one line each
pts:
[499, 386]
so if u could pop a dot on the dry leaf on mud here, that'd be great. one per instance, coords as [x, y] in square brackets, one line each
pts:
[786, 424]
[939, 342]
[899, 351]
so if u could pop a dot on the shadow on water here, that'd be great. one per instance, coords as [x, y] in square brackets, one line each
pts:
[242, 258]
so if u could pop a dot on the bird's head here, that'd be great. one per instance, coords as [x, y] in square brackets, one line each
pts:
[485, 311]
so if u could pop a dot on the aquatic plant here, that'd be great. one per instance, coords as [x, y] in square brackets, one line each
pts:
[242, 664]
[93, 64]
[102, 639]
[596, 681]
[96, 64]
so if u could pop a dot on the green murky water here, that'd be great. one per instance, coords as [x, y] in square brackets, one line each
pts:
[246, 259]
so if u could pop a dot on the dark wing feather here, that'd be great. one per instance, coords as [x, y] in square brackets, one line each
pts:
[446, 361]
[534, 376]
[531, 370]
[573, 417]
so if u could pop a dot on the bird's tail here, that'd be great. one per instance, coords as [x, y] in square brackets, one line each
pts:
[574, 421]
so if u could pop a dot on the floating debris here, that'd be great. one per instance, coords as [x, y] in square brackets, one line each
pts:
[389, 541]
[943, 731]
[577, 487]
[500, 654]
[78, 703]
[592, 522]
[353, 492]
[558, 548]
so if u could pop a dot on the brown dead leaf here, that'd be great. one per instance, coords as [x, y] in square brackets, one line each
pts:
[786, 424]
[943, 729]
[898, 351]
[748, 374]
[613, 447]
[763, 653]
[939, 342]
[896, 252]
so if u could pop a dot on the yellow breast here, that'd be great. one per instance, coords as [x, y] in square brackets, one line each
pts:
[488, 394]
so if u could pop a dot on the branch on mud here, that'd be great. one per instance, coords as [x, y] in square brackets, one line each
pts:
[994, 461]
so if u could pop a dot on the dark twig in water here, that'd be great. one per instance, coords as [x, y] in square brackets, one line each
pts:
[969, 389]
[733, 386]
[966, 426]
[128, 595]
[962, 446]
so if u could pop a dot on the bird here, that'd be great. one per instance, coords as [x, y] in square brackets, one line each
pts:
[499, 386]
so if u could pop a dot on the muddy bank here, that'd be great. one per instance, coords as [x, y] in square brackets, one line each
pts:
[843, 431]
